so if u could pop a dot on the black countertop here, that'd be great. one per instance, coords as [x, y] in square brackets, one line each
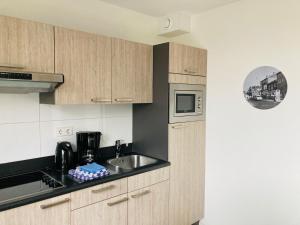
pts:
[71, 185]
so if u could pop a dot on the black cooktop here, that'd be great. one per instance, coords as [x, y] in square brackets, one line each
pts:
[26, 185]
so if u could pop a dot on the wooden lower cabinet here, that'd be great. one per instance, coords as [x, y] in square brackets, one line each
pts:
[149, 206]
[54, 211]
[187, 157]
[109, 212]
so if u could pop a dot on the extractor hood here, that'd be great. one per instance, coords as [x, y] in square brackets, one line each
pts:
[28, 82]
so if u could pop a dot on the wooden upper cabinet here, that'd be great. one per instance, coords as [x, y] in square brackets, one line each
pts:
[131, 72]
[187, 60]
[26, 45]
[85, 61]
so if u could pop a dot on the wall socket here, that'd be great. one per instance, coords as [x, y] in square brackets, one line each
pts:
[64, 131]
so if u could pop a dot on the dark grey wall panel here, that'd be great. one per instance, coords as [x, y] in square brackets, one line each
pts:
[150, 121]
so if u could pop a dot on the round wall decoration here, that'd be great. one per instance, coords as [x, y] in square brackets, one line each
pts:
[265, 87]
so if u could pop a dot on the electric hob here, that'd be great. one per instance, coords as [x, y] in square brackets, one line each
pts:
[26, 185]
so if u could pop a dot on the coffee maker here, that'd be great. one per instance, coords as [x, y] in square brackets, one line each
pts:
[87, 145]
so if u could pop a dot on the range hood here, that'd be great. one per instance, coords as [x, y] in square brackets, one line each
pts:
[28, 82]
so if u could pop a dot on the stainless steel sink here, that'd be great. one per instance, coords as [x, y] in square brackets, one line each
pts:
[131, 161]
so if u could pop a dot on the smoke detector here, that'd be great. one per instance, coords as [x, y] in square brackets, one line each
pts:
[175, 24]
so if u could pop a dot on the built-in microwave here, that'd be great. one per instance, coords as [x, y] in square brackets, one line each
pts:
[186, 102]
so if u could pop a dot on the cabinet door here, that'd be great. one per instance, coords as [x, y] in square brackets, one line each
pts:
[144, 74]
[149, 206]
[187, 60]
[26, 45]
[55, 211]
[109, 212]
[85, 61]
[186, 154]
[98, 193]
[131, 72]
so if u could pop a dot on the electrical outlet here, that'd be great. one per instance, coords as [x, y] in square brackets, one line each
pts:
[64, 131]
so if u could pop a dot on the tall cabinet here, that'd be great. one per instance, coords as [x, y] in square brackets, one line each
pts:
[187, 157]
[183, 144]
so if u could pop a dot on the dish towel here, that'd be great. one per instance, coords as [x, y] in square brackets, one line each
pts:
[89, 172]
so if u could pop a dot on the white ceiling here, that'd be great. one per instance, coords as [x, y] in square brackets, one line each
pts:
[163, 7]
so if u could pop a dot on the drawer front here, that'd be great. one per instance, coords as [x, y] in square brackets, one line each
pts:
[147, 179]
[186, 79]
[109, 212]
[53, 211]
[98, 193]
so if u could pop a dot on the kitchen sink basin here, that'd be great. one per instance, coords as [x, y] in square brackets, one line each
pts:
[131, 161]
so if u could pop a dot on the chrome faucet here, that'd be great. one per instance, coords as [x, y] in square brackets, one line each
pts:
[118, 148]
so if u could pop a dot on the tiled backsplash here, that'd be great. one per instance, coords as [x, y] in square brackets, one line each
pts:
[29, 130]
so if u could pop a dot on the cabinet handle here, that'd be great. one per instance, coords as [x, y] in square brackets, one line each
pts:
[13, 66]
[55, 203]
[141, 194]
[118, 201]
[179, 126]
[124, 100]
[189, 71]
[103, 189]
[100, 100]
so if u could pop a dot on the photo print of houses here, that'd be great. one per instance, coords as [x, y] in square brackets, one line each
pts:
[265, 87]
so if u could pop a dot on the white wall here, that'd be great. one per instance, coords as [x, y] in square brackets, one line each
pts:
[253, 156]
[27, 129]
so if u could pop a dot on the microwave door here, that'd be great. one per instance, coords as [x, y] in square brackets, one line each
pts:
[185, 103]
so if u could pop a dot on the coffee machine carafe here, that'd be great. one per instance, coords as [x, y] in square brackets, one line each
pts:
[87, 145]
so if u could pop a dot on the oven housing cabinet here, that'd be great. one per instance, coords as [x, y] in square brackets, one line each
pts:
[150, 121]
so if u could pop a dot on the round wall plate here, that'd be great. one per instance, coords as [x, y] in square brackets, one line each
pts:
[265, 87]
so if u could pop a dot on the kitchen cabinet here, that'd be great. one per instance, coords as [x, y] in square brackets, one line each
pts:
[100, 69]
[109, 212]
[54, 211]
[98, 193]
[187, 157]
[149, 206]
[85, 61]
[187, 60]
[26, 45]
[147, 179]
[131, 72]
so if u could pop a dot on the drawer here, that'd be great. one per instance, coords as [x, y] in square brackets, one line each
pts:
[51, 211]
[186, 79]
[98, 193]
[146, 179]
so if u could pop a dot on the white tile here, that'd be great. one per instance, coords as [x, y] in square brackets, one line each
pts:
[116, 128]
[69, 112]
[16, 108]
[49, 138]
[19, 142]
[122, 110]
